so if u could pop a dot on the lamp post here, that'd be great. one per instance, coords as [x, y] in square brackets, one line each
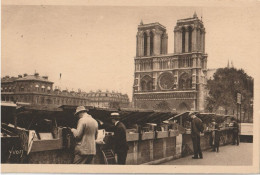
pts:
[239, 99]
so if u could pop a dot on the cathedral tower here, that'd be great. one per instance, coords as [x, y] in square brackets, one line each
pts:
[176, 80]
[152, 39]
[189, 35]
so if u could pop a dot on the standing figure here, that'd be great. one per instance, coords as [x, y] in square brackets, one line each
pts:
[196, 128]
[86, 135]
[215, 136]
[120, 143]
[235, 131]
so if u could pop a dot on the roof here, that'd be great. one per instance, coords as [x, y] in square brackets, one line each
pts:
[8, 80]
[205, 117]
[127, 116]
[106, 94]
[8, 104]
[151, 25]
[33, 77]
[187, 20]
[26, 77]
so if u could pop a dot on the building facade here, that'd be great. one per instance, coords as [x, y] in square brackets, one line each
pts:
[174, 80]
[38, 90]
[108, 99]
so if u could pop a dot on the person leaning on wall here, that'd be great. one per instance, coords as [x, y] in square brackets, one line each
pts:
[86, 135]
[196, 129]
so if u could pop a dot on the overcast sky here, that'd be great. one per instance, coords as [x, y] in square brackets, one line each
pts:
[94, 46]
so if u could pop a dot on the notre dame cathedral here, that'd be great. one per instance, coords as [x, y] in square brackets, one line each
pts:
[178, 79]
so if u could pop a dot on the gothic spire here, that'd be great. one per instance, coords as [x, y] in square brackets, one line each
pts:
[232, 64]
[195, 15]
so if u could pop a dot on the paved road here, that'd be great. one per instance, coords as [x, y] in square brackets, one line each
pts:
[228, 155]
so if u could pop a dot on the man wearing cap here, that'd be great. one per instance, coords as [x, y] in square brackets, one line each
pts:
[85, 134]
[196, 128]
[120, 143]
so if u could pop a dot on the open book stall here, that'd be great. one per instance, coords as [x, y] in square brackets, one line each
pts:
[36, 134]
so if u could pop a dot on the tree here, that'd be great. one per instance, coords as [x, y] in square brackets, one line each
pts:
[223, 89]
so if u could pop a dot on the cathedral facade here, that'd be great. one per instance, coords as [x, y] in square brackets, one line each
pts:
[172, 81]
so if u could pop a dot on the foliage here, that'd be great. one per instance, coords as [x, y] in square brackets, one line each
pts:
[223, 89]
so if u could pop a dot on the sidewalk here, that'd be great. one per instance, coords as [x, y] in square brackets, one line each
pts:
[228, 155]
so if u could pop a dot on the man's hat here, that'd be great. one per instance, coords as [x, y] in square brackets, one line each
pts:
[80, 109]
[115, 115]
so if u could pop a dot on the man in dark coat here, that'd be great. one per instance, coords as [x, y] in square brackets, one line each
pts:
[196, 128]
[120, 143]
[235, 131]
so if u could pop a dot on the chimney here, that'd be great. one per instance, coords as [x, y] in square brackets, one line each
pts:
[45, 77]
[36, 74]
[7, 76]
[20, 76]
[24, 75]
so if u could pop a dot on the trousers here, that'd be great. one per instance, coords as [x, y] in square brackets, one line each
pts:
[82, 159]
[235, 138]
[196, 145]
[121, 157]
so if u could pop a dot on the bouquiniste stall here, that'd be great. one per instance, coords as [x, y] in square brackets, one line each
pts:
[42, 135]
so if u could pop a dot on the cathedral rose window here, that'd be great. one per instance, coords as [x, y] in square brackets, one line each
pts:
[166, 81]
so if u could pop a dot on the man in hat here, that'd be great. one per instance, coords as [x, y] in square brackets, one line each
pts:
[85, 134]
[196, 128]
[235, 131]
[120, 143]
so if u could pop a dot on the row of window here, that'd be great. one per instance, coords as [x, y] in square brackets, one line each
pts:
[44, 100]
[109, 99]
[183, 85]
[185, 62]
[56, 101]
[165, 64]
[106, 104]
[7, 89]
[104, 95]
[28, 89]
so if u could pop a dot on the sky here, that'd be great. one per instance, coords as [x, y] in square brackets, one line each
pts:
[93, 47]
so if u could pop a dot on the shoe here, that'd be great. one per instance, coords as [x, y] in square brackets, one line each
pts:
[195, 157]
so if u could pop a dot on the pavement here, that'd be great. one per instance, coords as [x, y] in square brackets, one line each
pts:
[228, 155]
